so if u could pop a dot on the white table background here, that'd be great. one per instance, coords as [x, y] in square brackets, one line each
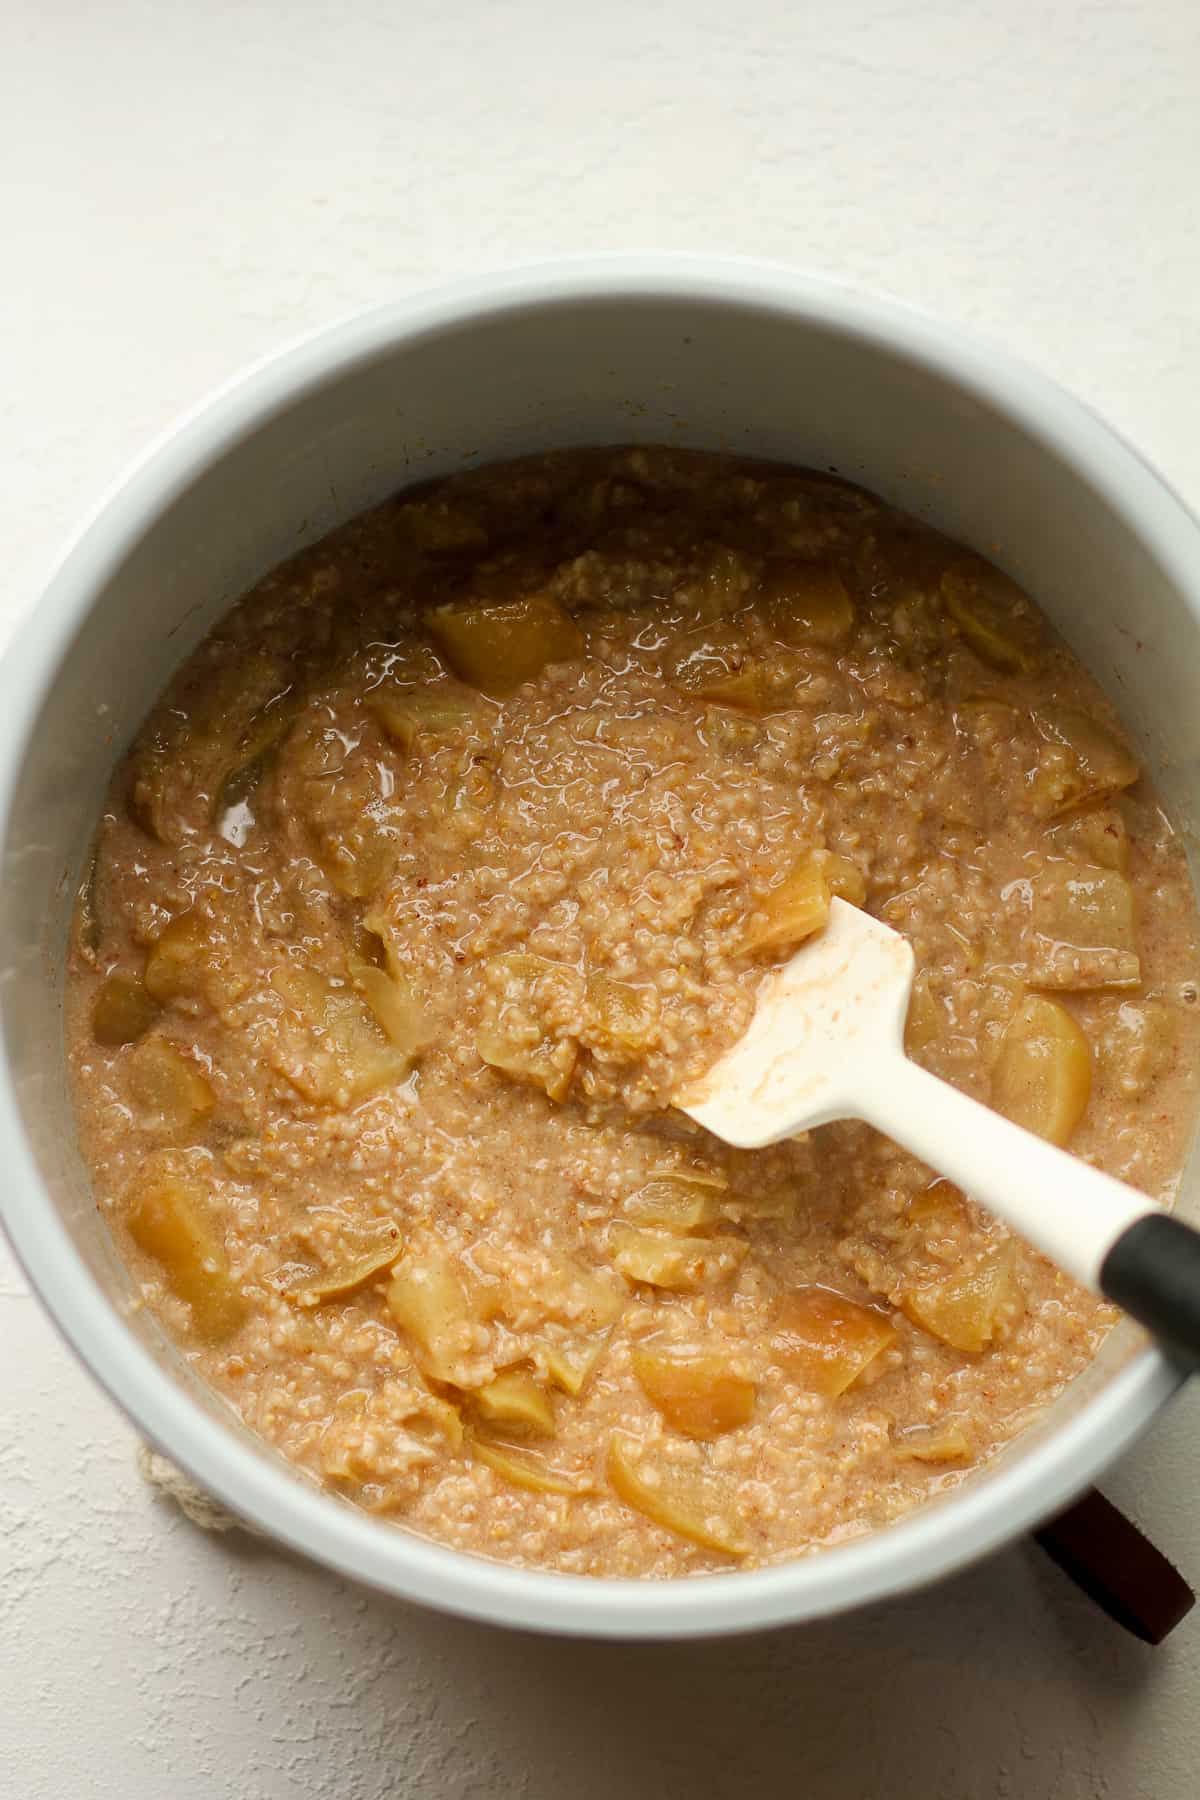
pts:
[185, 184]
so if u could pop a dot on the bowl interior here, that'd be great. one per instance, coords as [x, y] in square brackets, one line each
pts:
[980, 449]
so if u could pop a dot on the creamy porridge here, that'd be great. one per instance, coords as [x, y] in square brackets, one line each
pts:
[458, 848]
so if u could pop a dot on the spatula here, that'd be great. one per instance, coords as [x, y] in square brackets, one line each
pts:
[827, 1042]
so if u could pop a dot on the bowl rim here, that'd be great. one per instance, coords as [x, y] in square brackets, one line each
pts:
[930, 1543]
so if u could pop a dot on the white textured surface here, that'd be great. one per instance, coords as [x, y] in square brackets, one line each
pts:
[185, 185]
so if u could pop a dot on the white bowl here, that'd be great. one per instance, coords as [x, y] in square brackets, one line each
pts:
[706, 353]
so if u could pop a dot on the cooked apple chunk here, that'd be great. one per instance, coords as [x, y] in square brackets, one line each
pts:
[348, 1056]
[1098, 836]
[622, 1016]
[545, 1064]
[428, 1298]
[253, 757]
[1084, 935]
[1081, 762]
[1043, 1076]
[498, 646]
[807, 602]
[718, 664]
[1140, 1045]
[170, 1095]
[993, 615]
[522, 1032]
[685, 1499]
[570, 1364]
[180, 959]
[396, 1006]
[827, 1341]
[410, 718]
[170, 1218]
[965, 1312]
[524, 1468]
[697, 1392]
[516, 1404]
[346, 1278]
[677, 1203]
[799, 906]
[946, 1442]
[662, 1260]
[122, 1011]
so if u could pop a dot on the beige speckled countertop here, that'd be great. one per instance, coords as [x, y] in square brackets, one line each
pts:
[185, 185]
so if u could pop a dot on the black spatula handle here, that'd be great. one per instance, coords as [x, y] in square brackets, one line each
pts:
[1153, 1271]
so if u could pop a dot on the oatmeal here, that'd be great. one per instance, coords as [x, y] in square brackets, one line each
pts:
[462, 846]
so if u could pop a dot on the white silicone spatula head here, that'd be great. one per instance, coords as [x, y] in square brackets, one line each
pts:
[835, 1009]
[827, 1042]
